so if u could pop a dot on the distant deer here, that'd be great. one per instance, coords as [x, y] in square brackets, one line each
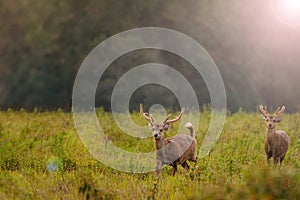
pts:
[172, 151]
[277, 141]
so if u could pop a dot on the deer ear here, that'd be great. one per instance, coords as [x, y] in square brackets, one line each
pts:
[263, 117]
[166, 127]
[278, 119]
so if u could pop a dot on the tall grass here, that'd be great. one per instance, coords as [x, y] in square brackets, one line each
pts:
[42, 157]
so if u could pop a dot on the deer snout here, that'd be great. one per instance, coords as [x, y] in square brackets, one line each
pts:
[155, 135]
[270, 125]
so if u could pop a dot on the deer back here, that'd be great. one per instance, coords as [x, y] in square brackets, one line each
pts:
[278, 142]
[181, 147]
[283, 138]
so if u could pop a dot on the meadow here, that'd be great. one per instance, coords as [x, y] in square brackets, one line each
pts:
[42, 157]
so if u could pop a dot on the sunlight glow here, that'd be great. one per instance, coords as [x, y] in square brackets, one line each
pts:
[288, 11]
[292, 6]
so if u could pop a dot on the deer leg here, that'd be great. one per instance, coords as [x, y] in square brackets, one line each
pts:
[275, 160]
[185, 165]
[158, 168]
[195, 161]
[269, 155]
[280, 161]
[174, 165]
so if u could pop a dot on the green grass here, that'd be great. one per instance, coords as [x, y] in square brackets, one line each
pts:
[31, 143]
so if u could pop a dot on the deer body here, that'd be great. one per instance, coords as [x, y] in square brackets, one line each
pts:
[277, 141]
[169, 152]
[173, 151]
[276, 145]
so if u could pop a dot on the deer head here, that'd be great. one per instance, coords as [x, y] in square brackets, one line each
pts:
[158, 129]
[271, 119]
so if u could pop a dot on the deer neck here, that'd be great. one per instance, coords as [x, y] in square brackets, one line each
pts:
[271, 133]
[160, 143]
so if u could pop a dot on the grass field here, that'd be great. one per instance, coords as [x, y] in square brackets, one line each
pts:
[42, 157]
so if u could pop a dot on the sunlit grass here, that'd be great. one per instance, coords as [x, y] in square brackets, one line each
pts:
[41, 156]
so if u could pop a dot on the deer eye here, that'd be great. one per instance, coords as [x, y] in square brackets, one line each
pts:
[274, 120]
[160, 130]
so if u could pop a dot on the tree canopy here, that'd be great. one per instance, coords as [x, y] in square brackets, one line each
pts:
[43, 44]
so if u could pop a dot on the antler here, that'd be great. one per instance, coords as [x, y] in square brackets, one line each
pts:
[145, 115]
[264, 110]
[166, 121]
[279, 110]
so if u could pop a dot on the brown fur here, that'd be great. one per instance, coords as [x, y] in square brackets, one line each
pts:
[277, 141]
[175, 151]
[172, 151]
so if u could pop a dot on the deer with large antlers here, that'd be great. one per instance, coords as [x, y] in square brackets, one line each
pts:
[277, 141]
[173, 151]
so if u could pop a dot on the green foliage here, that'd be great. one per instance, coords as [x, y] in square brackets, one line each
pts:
[41, 156]
[43, 44]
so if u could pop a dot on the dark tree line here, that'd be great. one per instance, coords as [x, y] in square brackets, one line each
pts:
[44, 42]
